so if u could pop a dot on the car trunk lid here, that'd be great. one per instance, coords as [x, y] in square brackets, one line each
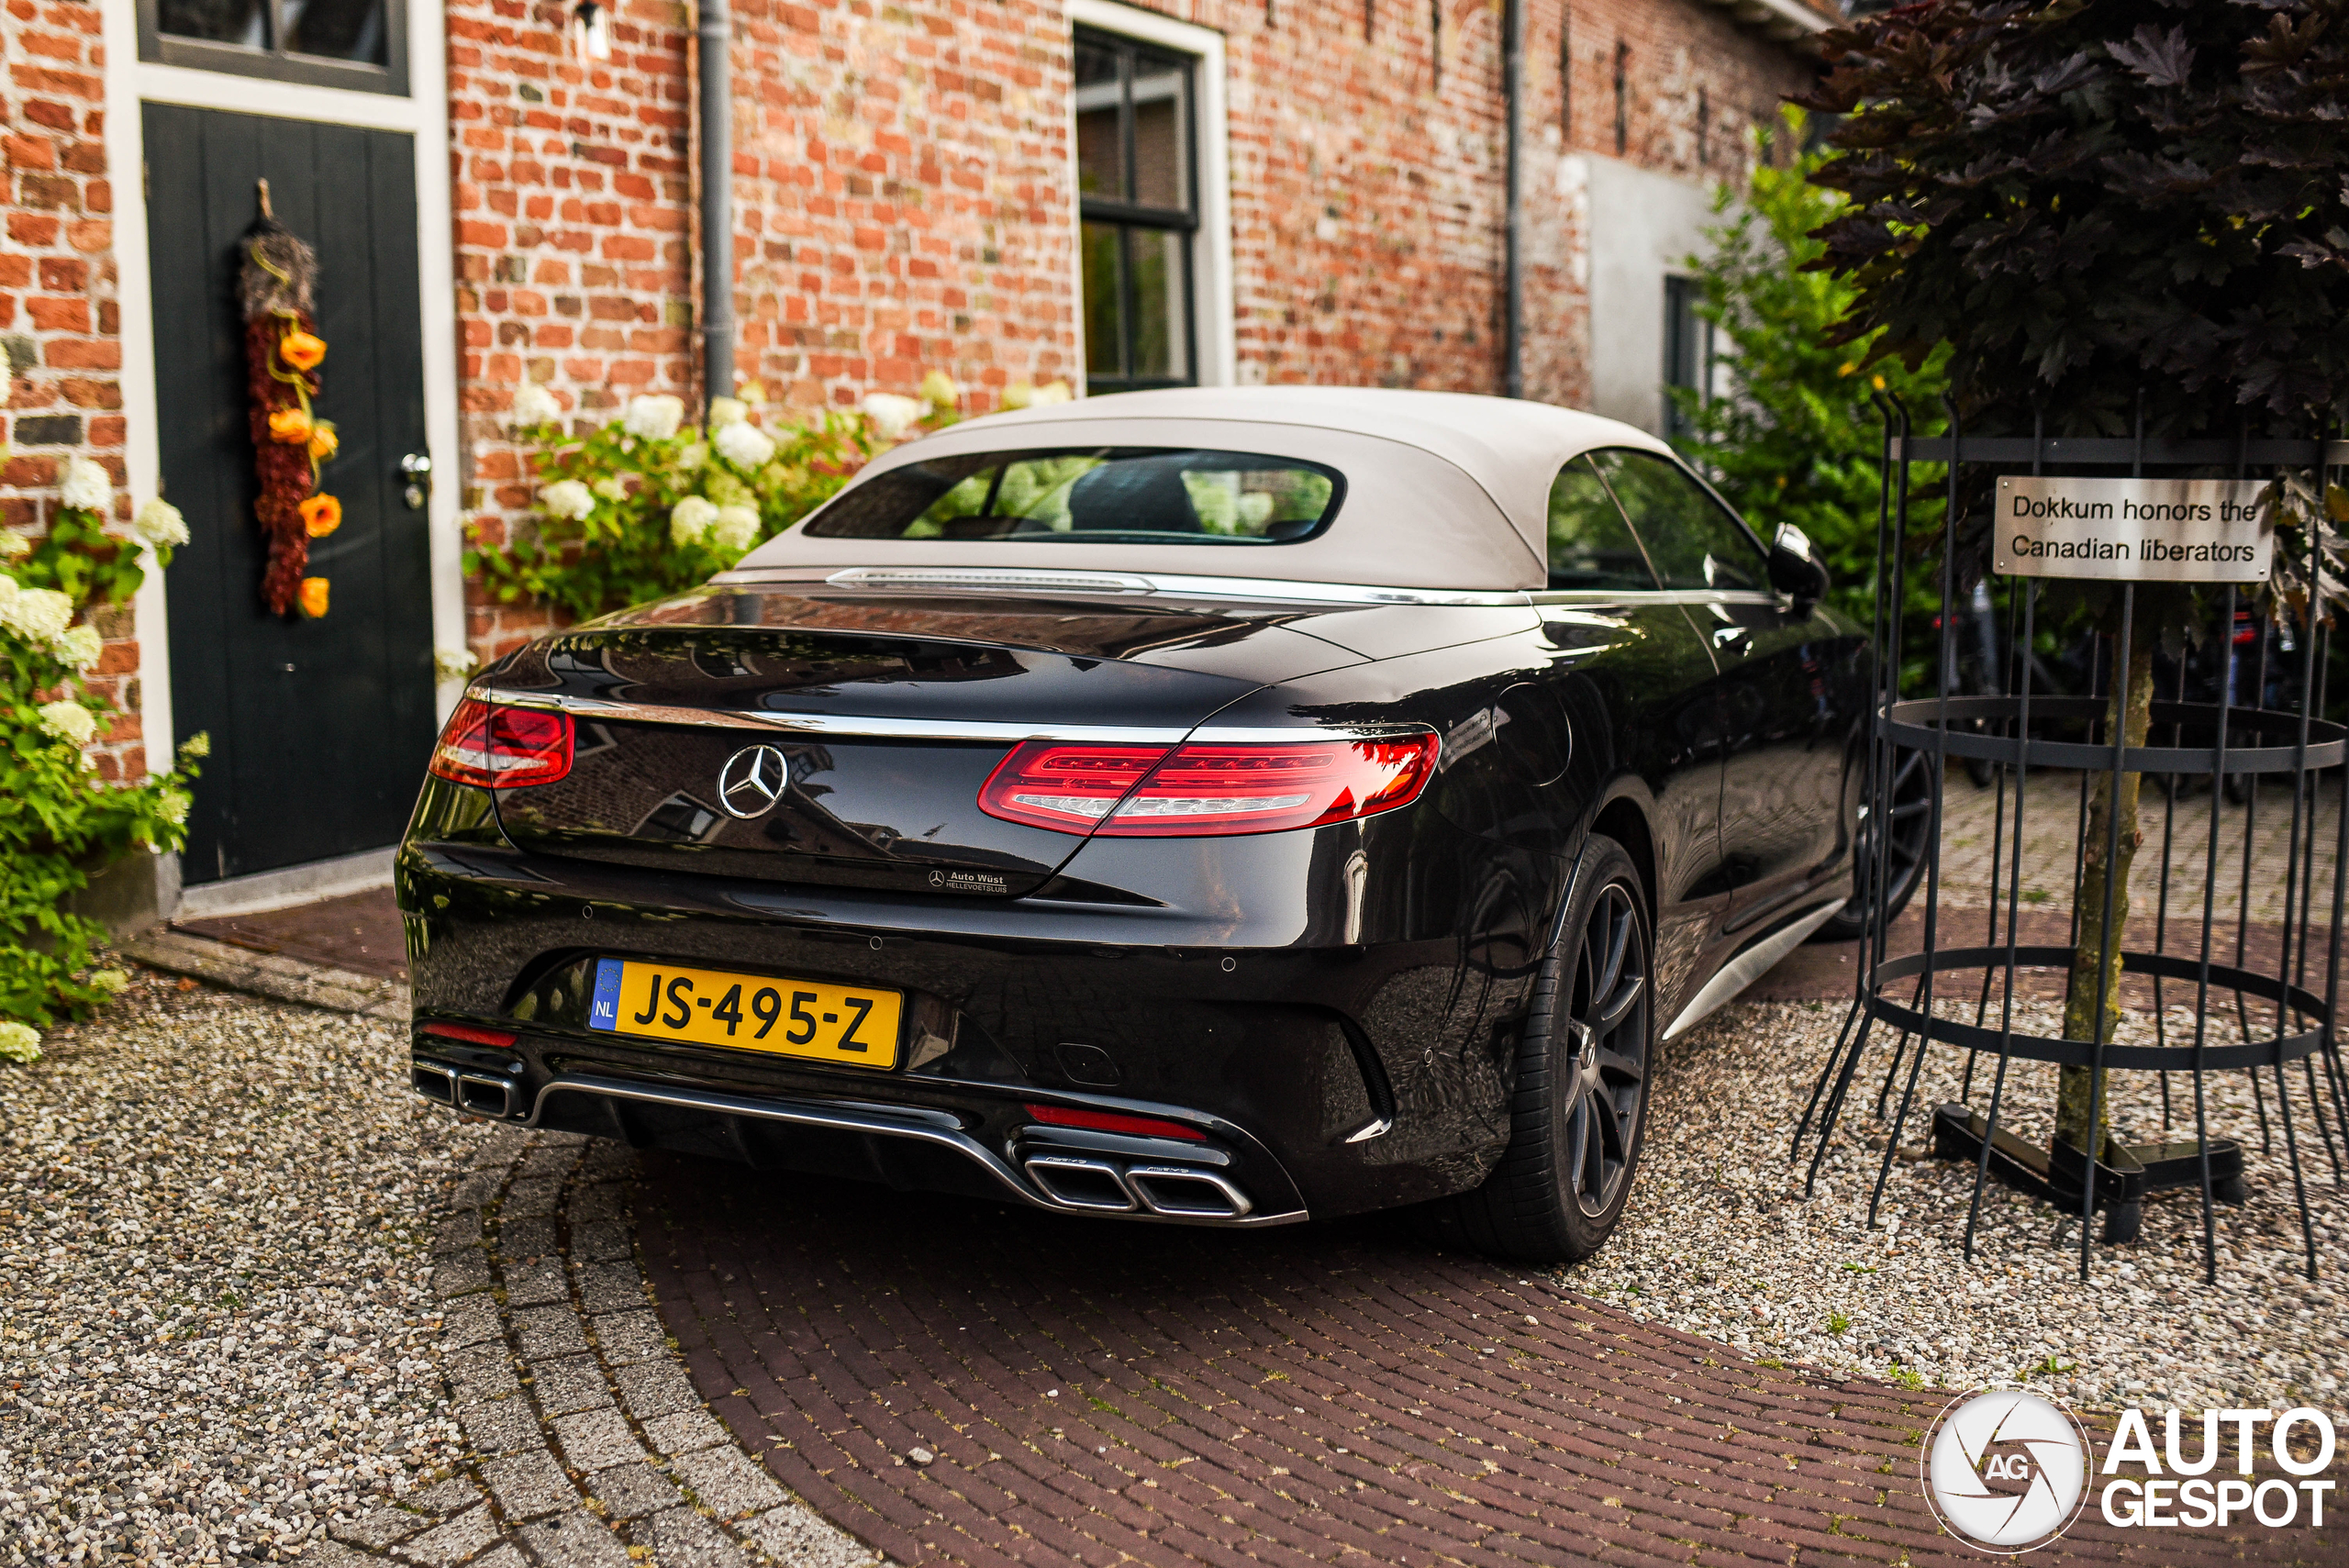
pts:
[884, 717]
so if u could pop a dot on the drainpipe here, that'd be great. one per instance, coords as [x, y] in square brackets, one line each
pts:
[716, 202]
[1513, 283]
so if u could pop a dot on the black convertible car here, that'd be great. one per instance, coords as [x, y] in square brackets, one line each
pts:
[1218, 806]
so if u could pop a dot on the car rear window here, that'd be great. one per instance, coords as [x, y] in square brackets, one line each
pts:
[1092, 494]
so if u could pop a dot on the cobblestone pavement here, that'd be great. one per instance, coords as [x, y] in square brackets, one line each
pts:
[2051, 818]
[586, 1443]
[960, 1383]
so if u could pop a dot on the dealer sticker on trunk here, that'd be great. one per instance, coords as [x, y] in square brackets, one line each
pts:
[2165, 530]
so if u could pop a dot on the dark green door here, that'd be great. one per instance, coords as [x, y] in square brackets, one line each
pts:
[320, 728]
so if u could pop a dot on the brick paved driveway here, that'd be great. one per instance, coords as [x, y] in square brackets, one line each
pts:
[1095, 1392]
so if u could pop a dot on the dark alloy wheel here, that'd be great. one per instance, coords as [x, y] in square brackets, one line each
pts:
[1580, 1110]
[1912, 818]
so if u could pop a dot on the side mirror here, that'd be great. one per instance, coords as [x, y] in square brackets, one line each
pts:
[1796, 570]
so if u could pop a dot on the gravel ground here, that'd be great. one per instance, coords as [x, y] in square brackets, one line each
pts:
[1718, 1239]
[213, 1245]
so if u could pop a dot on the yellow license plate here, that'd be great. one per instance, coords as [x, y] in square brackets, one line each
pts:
[854, 1025]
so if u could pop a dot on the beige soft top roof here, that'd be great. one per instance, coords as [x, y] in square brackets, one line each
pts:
[1443, 489]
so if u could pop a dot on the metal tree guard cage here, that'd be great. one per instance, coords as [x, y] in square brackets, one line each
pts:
[2274, 1023]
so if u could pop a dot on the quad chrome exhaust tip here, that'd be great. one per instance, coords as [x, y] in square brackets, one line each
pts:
[477, 1093]
[1104, 1186]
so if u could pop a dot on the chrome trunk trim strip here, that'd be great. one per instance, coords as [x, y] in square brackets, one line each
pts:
[927, 729]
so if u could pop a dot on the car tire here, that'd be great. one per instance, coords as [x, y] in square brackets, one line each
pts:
[1579, 1112]
[1912, 805]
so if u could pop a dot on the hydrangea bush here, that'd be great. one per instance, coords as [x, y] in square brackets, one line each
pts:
[647, 504]
[59, 822]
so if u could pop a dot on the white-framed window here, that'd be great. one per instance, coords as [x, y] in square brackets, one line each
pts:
[1688, 351]
[360, 45]
[1153, 200]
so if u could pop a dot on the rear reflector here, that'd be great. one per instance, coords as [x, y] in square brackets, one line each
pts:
[502, 748]
[1111, 1121]
[469, 1034]
[1205, 790]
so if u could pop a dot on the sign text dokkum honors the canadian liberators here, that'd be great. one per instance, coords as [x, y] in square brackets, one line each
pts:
[2170, 530]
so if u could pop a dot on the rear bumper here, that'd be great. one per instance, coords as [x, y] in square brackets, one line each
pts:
[1321, 1076]
[1155, 1180]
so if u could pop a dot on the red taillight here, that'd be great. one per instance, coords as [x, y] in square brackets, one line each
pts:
[471, 1034]
[1048, 783]
[1113, 1121]
[1205, 790]
[502, 748]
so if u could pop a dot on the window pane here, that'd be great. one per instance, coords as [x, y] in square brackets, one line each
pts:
[1692, 540]
[220, 21]
[1103, 311]
[1161, 135]
[337, 30]
[1100, 147]
[1590, 546]
[1687, 350]
[1162, 327]
[1098, 495]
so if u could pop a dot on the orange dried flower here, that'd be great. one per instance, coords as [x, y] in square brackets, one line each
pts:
[323, 439]
[302, 350]
[321, 514]
[290, 426]
[314, 597]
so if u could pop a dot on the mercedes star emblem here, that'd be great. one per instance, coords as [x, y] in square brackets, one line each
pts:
[752, 781]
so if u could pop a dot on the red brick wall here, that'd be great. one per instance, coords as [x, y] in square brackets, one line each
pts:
[59, 326]
[903, 199]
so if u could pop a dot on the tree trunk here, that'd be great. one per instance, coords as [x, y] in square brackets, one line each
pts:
[2082, 1100]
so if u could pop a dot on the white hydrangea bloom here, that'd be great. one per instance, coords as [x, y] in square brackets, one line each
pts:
[891, 414]
[36, 615]
[13, 546]
[113, 982]
[693, 456]
[725, 411]
[85, 487]
[1049, 393]
[736, 527]
[159, 523]
[77, 647]
[454, 663]
[938, 390]
[173, 808]
[745, 445]
[566, 498]
[654, 417]
[690, 519]
[534, 404]
[611, 487]
[69, 721]
[18, 1043]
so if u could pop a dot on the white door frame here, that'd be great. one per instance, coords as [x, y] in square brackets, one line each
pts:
[424, 113]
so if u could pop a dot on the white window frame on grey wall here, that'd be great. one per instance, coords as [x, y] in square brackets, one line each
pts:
[1687, 350]
[271, 60]
[1211, 341]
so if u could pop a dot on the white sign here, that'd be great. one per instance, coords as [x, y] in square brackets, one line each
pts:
[2166, 530]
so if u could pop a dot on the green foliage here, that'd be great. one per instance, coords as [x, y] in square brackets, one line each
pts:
[2092, 198]
[81, 559]
[1795, 436]
[59, 822]
[610, 532]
